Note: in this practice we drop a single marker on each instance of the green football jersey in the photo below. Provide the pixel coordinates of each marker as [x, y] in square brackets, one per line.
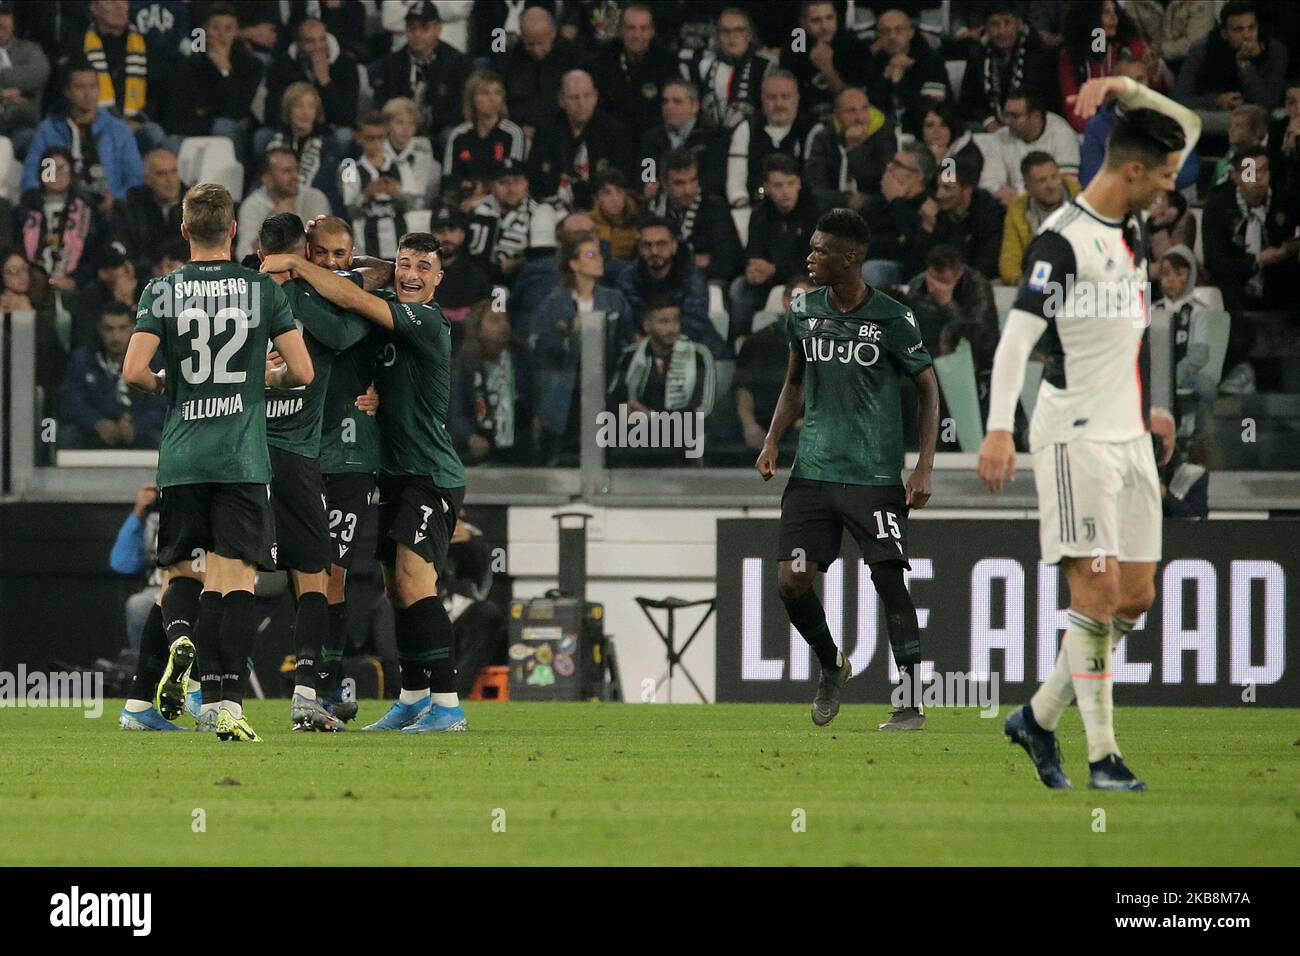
[349, 440]
[293, 415]
[214, 319]
[855, 361]
[414, 382]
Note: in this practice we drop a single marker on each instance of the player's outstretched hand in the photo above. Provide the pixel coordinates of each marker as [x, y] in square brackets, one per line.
[997, 459]
[918, 488]
[1093, 94]
[766, 463]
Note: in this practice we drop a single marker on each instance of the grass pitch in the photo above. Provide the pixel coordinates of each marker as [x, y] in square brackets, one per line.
[645, 785]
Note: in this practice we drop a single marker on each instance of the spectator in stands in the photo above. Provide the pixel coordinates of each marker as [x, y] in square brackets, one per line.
[490, 417]
[961, 215]
[665, 267]
[780, 127]
[831, 59]
[1186, 309]
[1247, 126]
[1080, 59]
[947, 138]
[617, 211]
[24, 71]
[1093, 150]
[557, 348]
[535, 68]
[25, 289]
[1009, 56]
[262, 27]
[848, 156]
[630, 72]
[135, 554]
[681, 129]
[115, 281]
[374, 195]
[464, 282]
[510, 226]
[728, 73]
[478, 147]
[1251, 242]
[760, 371]
[304, 132]
[582, 142]
[894, 216]
[1184, 487]
[1046, 191]
[98, 409]
[127, 77]
[665, 371]
[700, 218]
[414, 152]
[281, 191]
[1030, 128]
[779, 232]
[538, 278]
[316, 57]
[169, 257]
[1170, 29]
[103, 151]
[905, 74]
[425, 70]
[150, 215]
[1231, 66]
[60, 231]
[214, 88]
[949, 292]
[1169, 223]
[1284, 139]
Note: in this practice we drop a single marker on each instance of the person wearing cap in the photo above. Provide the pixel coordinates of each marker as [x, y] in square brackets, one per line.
[24, 71]
[427, 70]
[464, 283]
[584, 141]
[510, 226]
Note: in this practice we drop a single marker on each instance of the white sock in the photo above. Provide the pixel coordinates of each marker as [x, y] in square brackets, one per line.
[413, 696]
[205, 709]
[1054, 695]
[446, 700]
[236, 710]
[137, 706]
[191, 685]
[302, 690]
[839, 658]
[1088, 643]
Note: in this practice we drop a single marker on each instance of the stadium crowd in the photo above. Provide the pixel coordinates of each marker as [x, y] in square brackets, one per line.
[662, 164]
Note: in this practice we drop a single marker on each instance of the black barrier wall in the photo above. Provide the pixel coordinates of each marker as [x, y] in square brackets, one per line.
[1223, 629]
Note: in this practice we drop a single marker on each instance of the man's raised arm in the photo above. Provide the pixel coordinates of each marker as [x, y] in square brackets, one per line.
[342, 292]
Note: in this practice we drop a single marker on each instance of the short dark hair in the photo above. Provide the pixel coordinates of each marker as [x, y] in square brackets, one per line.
[1147, 136]
[658, 302]
[420, 242]
[944, 256]
[1033, 101]
[655, 222]
[610, 176]
[219, 9]
[1235, 8]
[968, 171]
[371, 117]
[274, 150]
[282, 232]
[679, 159]
[78, 64]
[844, 223]
[1036, 158]
[779, 163]
[1248, 155]
[116, 308]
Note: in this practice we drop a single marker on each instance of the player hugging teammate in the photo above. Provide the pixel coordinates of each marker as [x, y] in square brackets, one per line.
[224, 498]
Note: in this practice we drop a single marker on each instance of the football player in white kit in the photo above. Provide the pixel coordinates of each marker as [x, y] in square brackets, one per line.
[1084, 293]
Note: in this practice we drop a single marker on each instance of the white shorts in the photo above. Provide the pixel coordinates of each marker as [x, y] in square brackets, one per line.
[1098, 498]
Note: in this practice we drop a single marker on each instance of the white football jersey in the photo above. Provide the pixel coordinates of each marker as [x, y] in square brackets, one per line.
[1086, 276]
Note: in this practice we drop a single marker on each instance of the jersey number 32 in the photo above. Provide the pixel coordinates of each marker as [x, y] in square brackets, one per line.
[201, 365]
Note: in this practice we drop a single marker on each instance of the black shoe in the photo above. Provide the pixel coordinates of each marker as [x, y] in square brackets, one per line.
[1109, 773]
[904, 718]
[827, 702]
[1041, 746]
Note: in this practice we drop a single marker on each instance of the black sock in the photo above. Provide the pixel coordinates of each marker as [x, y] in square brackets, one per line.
[414, 651]
[180, 608]
[430, 616]
[311, 624]
[809, 619]
[153, 657]
[329, 673]
[238, 630]
[207, 635]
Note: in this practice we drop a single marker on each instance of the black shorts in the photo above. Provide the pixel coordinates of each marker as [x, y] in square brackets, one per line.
[230, 520]
[417, 513]
[814, 515]
[302, 534]
[348, 497]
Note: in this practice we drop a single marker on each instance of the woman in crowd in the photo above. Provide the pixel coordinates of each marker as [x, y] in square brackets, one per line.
[303, 129]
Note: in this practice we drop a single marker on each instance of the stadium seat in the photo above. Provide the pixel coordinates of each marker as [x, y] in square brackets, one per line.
[956, 374]
[1003, 297]
[724, 371]
[765, 318]
[211, 159]
[1217, 325]
[417, 220]
[775, 302]
[741, 218]
[716, 303]
[1212, 296]
[956, 72]
[11, 171]
[721, 322]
